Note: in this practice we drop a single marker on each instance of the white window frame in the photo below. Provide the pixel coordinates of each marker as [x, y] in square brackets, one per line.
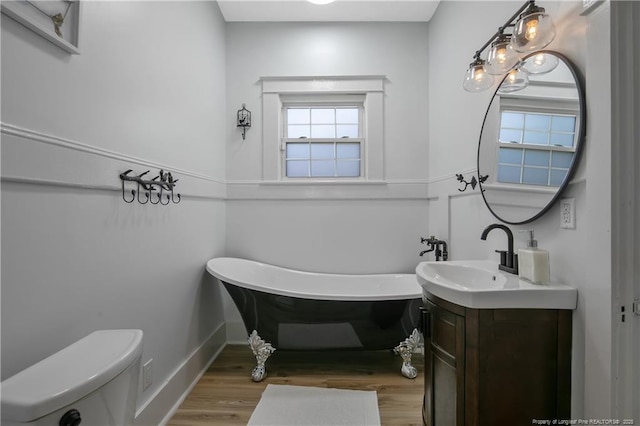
[331, 102]
[280, 91]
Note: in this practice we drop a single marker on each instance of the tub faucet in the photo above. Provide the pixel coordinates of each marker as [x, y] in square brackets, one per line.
[439, 246]
[508, 259]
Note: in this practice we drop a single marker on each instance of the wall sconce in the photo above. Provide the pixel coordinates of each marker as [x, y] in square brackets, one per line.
[532, 29]
[244, 119]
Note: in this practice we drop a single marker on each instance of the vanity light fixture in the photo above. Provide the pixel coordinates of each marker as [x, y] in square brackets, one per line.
[321, 2]
[531, 29]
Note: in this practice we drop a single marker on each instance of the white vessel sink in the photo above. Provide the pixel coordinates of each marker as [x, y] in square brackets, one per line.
[479, 284]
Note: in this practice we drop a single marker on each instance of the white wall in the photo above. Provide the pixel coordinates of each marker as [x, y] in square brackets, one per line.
[329, 228]
[579, 257]
[396, 51]
[146, 92]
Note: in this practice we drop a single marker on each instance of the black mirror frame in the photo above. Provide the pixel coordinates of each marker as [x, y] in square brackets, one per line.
[577, 76]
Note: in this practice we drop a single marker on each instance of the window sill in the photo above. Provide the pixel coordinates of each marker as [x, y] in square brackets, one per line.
[521, 188]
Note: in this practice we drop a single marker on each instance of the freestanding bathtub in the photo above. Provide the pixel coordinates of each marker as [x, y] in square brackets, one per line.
[294, 310]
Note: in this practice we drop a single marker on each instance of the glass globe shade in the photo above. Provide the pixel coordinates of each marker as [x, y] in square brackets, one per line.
[533, 31]
[501, 57]
[477, 78]
[540, 63]
[517, 79]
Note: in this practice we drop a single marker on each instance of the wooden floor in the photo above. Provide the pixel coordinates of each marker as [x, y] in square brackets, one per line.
[225, 395]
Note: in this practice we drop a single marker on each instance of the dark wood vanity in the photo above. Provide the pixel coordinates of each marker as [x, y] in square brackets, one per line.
[490, 367]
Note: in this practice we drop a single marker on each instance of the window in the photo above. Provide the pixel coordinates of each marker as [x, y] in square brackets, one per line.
[327, 130]
[535, 148]
[322, 141]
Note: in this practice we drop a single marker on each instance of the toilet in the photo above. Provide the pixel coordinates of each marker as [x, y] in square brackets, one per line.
[94, 381]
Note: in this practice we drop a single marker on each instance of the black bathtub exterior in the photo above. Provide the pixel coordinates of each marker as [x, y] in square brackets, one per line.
[293, 323]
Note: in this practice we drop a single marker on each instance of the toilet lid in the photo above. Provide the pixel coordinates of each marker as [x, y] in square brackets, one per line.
[69, 375]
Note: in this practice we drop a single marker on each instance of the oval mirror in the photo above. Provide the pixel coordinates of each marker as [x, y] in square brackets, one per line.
[532, 137]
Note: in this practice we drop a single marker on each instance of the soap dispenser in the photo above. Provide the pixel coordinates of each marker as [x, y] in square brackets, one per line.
[533, 262]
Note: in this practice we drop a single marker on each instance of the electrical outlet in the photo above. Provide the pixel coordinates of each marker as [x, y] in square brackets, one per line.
[568, 213]
[147, 373]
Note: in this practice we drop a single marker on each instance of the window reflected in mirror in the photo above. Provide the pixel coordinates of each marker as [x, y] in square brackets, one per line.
[535, 148]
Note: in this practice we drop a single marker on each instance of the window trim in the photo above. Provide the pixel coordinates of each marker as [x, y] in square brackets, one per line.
[278, 91]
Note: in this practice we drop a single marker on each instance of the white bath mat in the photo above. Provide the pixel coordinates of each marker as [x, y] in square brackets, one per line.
[284, 405]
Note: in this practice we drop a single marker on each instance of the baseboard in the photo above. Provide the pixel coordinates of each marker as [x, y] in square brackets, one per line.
[161, 406]
[236, 333]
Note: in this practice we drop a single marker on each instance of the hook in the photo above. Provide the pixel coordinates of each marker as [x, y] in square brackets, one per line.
[146, 193]
[473, 182]
[151, 198]
[173, 199]
[133, 193]
[168, 197]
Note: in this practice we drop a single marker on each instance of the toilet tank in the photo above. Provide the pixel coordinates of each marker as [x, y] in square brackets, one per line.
[91, 382]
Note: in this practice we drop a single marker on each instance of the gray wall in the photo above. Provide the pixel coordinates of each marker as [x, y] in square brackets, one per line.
[146, 92]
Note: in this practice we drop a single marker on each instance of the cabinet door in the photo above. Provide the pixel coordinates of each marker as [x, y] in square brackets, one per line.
[444, 367]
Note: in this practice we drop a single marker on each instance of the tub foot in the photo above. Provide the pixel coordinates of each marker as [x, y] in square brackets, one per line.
[261, 350]
[405, 350]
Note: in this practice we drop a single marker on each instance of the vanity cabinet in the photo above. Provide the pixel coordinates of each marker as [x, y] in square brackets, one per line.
[488, 367]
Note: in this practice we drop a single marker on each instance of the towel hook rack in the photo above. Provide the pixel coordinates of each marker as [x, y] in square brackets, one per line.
[164, 181]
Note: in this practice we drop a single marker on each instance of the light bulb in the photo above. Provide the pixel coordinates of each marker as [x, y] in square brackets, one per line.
[501, 54]
[539, 59]
[320, 2]
[477, 78]
[533, 31]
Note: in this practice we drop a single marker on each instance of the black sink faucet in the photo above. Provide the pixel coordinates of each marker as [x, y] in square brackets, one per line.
[508, 259]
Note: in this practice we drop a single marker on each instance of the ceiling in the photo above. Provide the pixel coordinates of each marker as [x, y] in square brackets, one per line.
[340, 10]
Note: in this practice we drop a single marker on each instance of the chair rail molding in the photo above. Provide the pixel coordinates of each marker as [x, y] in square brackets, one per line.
[93, 167]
